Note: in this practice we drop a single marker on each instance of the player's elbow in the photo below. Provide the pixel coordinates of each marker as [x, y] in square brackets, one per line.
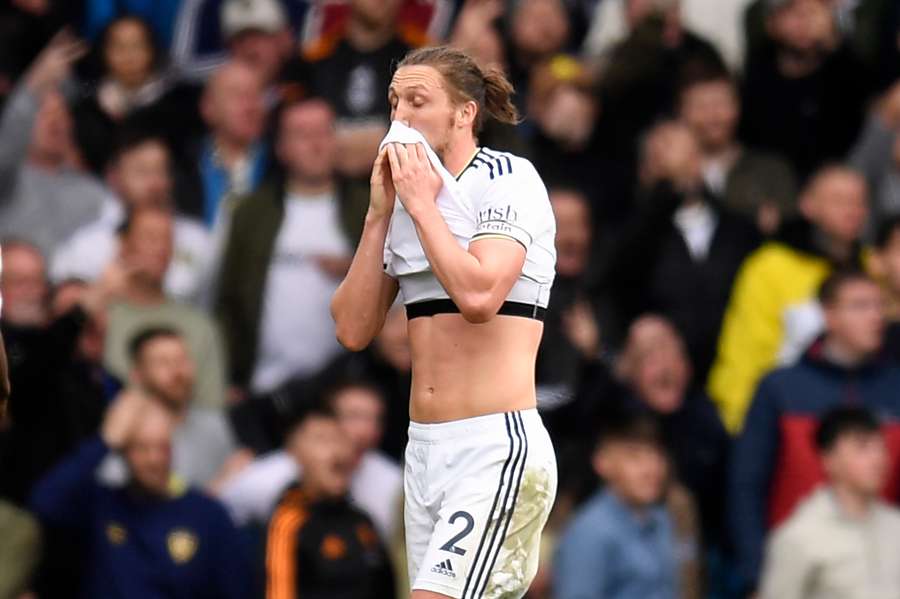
[477, 308]
[351, 337]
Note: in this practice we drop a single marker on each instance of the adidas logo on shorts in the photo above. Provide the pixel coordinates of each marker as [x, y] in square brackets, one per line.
[445, 568]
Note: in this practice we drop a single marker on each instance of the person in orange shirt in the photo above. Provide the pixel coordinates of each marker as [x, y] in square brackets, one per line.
[319, 546]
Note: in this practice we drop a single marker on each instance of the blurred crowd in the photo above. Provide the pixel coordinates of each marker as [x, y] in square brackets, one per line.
[182, 185]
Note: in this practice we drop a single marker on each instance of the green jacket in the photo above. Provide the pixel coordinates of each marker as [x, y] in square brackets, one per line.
[255, 222]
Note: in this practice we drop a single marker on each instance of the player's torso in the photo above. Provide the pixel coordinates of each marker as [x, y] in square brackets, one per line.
[460, 369]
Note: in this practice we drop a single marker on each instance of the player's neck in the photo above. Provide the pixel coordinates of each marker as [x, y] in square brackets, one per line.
[458, 154]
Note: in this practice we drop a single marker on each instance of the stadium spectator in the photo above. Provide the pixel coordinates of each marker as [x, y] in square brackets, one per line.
[877, 155]
[139, 175]
[682, 250]
[204, 451]
[639, 80]
[775, 463]
[49, 369]
[351, 68]
[721, 23]
[887, 266]
[150, 534]
[759, 186]
[45, 195]
[20, 549]
[804, 90]
[866, 26]
[287, 251]
[375, 480]
[318, 544]
[621, 543]
[387, 363]
[200, 43]
[134, 87]
[772, 302]
[571, 331]
[140, 301]
[233, 159]
[568, 145]
[258, 34]
[537, 31]
[655, 372]
[56, 348]
[841, 541]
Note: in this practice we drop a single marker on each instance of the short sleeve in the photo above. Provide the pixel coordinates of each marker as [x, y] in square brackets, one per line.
[513, 206]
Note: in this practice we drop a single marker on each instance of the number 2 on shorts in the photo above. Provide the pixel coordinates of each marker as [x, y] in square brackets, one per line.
[470, 524]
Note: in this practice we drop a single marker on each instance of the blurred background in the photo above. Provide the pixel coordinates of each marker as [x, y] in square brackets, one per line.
[182, 186]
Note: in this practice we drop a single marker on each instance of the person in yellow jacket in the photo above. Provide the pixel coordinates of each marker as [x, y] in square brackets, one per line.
[772, 303]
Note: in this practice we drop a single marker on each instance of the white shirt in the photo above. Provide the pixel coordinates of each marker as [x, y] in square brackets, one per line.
[697, 225]
[375, 487]
[297, 335]
[502, 196]
[91, 248]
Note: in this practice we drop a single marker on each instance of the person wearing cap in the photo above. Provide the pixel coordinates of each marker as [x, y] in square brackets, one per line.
[257, 32]
[204, 30]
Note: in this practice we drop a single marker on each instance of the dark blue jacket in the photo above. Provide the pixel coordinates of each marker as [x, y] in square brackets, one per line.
[184, 547]
[775, 462]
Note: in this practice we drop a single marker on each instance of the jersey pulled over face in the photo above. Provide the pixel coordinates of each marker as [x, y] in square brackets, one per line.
[504, 197]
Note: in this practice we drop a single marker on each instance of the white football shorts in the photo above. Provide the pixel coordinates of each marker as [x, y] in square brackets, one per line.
[478, 493]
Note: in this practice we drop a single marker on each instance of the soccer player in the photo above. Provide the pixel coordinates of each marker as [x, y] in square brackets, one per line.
[480, 468]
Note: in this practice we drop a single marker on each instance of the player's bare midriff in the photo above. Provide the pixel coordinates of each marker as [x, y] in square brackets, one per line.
[462, 370]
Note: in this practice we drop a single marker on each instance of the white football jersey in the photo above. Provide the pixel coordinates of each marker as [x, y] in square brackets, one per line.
[498, 195]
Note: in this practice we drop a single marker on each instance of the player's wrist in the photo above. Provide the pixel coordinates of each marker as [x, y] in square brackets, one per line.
[420, 208]
[376, 217]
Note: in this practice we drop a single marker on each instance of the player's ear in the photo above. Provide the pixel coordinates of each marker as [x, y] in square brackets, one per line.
[466, 114]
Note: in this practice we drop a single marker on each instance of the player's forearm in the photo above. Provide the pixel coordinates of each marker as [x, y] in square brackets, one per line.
[466, 281]
[358, 306]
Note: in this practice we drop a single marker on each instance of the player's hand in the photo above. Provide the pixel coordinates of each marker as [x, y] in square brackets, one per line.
[122, 416]
[382, 192]
[53, 64]
[415, 179]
